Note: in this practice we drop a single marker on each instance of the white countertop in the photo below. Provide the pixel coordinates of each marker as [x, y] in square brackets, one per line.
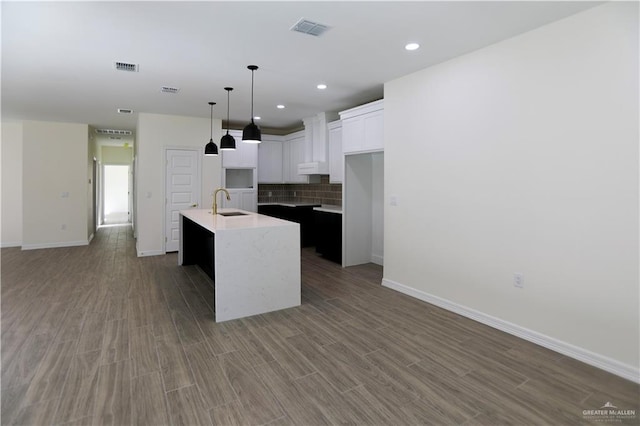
[204, 218]
[328, 208]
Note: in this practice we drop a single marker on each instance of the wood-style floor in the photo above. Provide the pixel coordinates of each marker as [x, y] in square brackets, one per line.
[95, 335]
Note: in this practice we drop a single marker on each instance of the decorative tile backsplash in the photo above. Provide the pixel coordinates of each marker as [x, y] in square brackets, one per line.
[321, 193]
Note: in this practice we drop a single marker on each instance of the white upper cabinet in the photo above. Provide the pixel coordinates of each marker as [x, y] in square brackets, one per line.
[270, 159]
[336, 157]
[363, 128]
[245, 154]
[242, 199]
[294, 154]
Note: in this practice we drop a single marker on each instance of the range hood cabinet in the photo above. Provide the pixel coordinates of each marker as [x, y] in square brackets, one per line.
[313, 168]
[316, 147]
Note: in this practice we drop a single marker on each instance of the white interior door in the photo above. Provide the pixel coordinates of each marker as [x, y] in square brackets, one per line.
[182, 179]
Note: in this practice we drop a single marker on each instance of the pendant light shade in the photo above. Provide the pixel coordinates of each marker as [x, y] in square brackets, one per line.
[210, 149]
[251, 133]
[227, 143]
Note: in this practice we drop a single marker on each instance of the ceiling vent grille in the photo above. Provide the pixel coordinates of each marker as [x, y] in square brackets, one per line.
[125, 66]
[113, 132]
[115, 138]
[125, 111]
[167, 89]
[305, 26]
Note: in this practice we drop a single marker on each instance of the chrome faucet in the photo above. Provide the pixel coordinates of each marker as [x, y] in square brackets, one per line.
[214, 209]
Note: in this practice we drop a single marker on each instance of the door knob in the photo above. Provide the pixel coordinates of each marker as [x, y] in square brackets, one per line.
[194, 205]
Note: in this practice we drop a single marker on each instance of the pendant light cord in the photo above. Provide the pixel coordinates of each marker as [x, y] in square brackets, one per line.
[211, 121]
[227, 109]
[252, 96]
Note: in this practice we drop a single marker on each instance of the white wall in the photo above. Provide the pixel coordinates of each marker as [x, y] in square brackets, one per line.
[54, 163]
[92, 152]
[154, 133]
[523, 157]
[377, 208]
[116, 154]
[11, 177]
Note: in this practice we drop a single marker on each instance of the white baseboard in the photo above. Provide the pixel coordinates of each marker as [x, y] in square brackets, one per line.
[91, 237]
[377, 259]
[150, 253]
[10, 244]
[55, 245]
[611, 365]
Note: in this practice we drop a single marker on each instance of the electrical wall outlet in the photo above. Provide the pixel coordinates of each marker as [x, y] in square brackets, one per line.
[518, 279]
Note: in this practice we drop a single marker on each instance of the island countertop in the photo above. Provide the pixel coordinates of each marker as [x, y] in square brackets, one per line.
[252, 259]
[214, 223]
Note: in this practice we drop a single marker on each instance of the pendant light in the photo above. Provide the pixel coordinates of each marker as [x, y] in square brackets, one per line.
[251, 133]
[210, 149]
[227, 143]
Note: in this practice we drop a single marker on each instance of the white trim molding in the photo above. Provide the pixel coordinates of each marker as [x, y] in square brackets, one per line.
[150, 253]
[55, 245]
[10, 244]
[602, 362]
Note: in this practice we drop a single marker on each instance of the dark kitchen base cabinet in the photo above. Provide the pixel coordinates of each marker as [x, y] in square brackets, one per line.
[329, 235]
[299, 214]
[198, 247]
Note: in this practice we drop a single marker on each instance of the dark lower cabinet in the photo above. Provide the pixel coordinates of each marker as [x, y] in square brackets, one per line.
[198, 247]
[328, 228]
[299, 214]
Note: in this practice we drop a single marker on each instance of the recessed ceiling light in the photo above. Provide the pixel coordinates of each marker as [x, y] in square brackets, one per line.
[412, 46]
[280, 106]
[257, 117]
[321, 86]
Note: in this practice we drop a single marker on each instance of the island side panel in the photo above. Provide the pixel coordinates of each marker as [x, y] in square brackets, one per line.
[196, 246]
[257, 270]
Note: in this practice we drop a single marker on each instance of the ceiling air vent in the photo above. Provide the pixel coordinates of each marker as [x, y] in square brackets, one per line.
[309, 27]
[113, 132]
[115, 138]
[125, 111]
[167, 89]
[125, 66]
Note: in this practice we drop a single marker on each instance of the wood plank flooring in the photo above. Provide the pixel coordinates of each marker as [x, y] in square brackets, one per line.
[96, 336]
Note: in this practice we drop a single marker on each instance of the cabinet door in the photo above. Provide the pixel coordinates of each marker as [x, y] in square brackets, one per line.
[249, 201]
[294, 155]
[373, 137]
[270, 162]
[352, 134]
[245, 155]
[336, 157]
[231, 159]
[233, 203]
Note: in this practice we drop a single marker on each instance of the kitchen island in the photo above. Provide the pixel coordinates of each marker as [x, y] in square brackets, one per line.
[254, 260]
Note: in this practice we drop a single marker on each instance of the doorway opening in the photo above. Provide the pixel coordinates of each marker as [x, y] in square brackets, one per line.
[116, 195]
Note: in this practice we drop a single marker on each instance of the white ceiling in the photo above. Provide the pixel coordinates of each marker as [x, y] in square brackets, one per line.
[57, 57]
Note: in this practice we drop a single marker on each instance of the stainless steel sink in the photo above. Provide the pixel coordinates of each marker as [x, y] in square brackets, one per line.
[232, 214]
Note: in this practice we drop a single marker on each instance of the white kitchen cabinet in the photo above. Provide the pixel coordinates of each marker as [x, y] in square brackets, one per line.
[243, 199]
[270, 165]
[245, 155]
[363, 128]
[336, 156]
[294, 154]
